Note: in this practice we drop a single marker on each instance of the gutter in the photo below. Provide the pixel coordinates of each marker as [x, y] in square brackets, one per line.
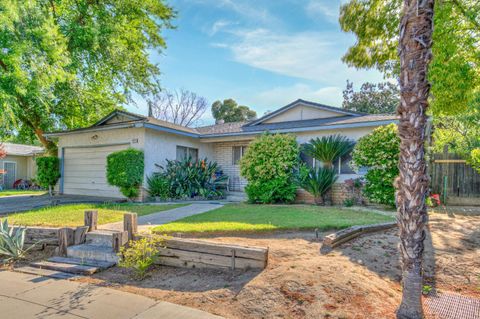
[304, 129]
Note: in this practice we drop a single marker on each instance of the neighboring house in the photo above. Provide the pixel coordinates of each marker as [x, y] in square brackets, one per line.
[84, 151]
[18, 164]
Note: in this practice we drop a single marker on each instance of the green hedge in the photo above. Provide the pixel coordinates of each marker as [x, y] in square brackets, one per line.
[379, 152]
[269, 165]
[125, 170]
[48, 171]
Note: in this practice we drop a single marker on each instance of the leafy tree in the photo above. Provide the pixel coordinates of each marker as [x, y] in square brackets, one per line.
[48, 171]
[461, 133]
[378, 152]
[269, 165]
[415, 51]
[229, 111]
[372, 98]
[66, 63]
[475, 159]
[125, 170]
[455, 69]
[180, 107]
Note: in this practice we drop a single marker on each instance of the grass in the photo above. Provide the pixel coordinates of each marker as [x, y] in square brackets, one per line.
[11, 192]
[72, 215]
[247, 218]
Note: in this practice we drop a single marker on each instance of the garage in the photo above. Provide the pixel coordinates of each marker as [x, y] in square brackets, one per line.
[85, 170]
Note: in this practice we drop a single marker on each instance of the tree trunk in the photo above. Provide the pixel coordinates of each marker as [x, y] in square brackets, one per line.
[49, 146]
[318, 199]
[416, 27]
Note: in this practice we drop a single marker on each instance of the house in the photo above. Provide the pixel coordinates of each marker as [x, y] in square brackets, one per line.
[83, 151]
[18, 164]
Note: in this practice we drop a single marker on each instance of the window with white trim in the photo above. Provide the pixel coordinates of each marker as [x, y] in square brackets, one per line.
[237, 154]
[184, 152]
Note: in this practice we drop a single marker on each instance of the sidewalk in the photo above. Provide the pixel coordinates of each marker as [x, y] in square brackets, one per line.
[152, 220]
[33, 297]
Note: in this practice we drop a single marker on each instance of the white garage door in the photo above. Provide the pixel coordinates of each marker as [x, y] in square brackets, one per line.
[85, 171]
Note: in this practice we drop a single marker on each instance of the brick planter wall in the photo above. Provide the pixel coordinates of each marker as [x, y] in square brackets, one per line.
[338, 195]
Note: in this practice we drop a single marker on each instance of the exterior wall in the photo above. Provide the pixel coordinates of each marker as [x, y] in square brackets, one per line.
[22, 167]
[160, 146]
[223, 155]
[90, 141]
[302, 112]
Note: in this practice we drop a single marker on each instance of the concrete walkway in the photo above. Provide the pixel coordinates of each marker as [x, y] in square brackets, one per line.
[152, 220]
[32, 297]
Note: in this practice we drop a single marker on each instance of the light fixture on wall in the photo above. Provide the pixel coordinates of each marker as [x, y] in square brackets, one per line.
[94, 137]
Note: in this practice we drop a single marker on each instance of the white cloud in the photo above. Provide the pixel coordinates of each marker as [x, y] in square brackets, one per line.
[279, 96]
[307, 55]
[327, 8]
[219, 26]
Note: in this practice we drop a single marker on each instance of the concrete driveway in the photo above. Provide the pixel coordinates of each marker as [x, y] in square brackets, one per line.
[33, 297]
[12, 204]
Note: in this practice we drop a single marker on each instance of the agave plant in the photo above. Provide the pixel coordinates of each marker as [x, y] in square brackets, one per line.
[12, 242]
[328, 149]
[318, 181]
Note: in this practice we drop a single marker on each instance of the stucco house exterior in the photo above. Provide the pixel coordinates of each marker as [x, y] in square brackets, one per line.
[18, 164]
[83, 151]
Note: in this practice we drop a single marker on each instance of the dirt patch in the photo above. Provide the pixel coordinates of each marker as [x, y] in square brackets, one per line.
[358, 280]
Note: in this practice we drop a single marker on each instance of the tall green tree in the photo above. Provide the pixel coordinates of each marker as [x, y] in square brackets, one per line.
[66, 63]
[454, 72]
[229, 111]
[373, 98]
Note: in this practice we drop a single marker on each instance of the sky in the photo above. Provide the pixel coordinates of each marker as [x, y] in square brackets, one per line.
[264, 53]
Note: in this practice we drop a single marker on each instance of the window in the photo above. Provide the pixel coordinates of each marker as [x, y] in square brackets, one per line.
[187, 152]
[237, 154]
[343, 165]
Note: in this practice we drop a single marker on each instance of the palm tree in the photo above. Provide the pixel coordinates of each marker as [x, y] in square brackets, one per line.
[318, 181]
[328, 149]
[416, 27]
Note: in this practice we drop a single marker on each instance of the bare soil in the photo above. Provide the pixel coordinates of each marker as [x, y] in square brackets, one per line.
[360, 279]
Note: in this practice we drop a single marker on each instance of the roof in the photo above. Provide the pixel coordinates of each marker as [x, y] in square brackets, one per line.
[346, 118]
[21, 149]
[307, 103]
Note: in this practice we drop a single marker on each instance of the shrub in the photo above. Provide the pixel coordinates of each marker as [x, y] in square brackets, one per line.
[12, 242]
[318, 181]
[378, 152]
[269, 165]
[187, 179]
[158, 186]
[48, 171]
[125, 170]
[140, 255]
[474, 159]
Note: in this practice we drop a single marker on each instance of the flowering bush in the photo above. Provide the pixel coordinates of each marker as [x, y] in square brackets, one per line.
[269, 166]
[433, 200]
[378, 152]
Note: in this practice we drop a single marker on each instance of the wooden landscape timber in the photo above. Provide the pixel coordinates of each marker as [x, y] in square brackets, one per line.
[333, 240]
[189, 253]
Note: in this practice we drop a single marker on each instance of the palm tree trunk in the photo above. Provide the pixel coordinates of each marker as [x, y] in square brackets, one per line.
[416, 27]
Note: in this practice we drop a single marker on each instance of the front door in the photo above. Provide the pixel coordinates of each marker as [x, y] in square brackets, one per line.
[10, 174]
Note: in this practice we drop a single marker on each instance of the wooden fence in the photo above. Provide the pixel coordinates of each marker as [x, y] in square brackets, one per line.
[454, 179]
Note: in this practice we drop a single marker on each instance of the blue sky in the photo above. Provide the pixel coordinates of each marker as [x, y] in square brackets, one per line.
[263, 53]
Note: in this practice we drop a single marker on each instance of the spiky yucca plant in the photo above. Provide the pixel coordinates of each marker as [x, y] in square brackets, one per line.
[318, 181]
[328, 149]
[12, 242]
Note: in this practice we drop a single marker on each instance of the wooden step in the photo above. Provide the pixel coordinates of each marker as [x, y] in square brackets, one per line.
[67, 268]
[46, 273]
[82, 262]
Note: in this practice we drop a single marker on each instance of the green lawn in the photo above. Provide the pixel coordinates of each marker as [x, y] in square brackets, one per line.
[244, 217]
[11, 192]
[72, 215]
